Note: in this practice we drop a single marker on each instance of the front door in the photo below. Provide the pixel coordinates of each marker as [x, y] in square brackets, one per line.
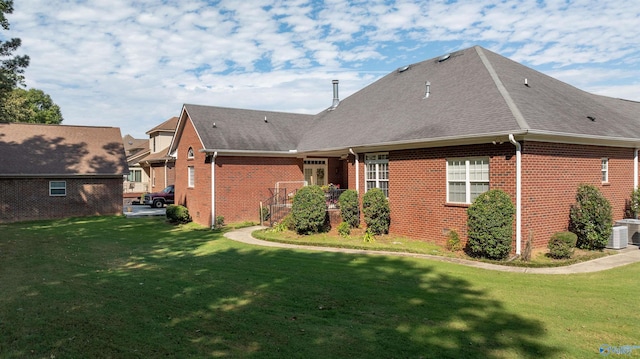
[315, 171]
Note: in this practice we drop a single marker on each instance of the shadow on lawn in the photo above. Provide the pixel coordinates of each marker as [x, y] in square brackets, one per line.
[194, 294]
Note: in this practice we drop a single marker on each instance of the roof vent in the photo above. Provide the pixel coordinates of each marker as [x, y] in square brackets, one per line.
[403, 68]
[444, 58]
[427, 90]
[526, 82]
[593, 119]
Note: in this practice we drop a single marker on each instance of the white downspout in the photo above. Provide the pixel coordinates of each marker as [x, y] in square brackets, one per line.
[635, 169]
[357, 170]
[166, 183]
[213, 189]
[518, 193]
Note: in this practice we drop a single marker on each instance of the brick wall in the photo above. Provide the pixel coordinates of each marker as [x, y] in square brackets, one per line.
[28, 199]
[552, 174]
[159, 170]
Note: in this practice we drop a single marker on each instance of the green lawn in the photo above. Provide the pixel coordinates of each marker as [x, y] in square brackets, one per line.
[139, 288]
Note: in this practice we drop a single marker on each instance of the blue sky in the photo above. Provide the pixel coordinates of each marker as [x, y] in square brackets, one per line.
[132, 64]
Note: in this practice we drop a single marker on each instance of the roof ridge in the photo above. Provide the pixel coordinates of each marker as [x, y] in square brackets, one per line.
[522, 122]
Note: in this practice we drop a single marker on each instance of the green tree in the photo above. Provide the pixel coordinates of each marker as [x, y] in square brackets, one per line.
[32, 106]
[11, 66]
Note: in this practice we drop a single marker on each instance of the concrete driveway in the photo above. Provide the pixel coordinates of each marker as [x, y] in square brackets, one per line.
[137, 210]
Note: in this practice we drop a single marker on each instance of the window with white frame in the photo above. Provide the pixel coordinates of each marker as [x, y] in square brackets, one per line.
[605, 170]
[191, 176]
[467, 178]
[377, 171]
[57, 188]
[135, 175]
[190, 154]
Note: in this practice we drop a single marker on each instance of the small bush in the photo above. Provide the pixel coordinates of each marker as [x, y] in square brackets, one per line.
[349, 208]
[375, 207]
[309, 210]
[634, 203]
[219, 221]
[490, 222]
[344, 229]
[561, 245]
[368, 236]
[453, 241]
[178, 214]
[264, 214]
[591, 218]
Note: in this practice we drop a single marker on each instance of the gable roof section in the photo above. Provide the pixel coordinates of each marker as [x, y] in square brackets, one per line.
[247, 130]
[167, 126]
[59, 150]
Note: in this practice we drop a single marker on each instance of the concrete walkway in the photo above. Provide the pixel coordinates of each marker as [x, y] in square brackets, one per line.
[629, 255]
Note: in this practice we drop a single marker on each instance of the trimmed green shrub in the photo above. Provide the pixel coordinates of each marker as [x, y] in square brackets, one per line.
[219, 221]
[453, 241]
[375, 207]
[344, 229]
[349, 208]
[178, 214]
[561, 245]
[490, 222]
[288, 222]
[634, 203]
[591, 218]
[309, 210]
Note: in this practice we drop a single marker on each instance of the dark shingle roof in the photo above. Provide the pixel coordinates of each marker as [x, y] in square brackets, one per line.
[474, 93]
[168, 126]
[238, 129]
[31, 149]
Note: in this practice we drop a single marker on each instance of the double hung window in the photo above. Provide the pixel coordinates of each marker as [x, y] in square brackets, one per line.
[467, 178]
[377, 171]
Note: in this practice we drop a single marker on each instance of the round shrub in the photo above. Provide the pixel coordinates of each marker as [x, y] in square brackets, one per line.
[349, 209]
[178, 214]
[375, 207]
[561, 245]
[634, 203]
[453, 241]
[490, 222]
[591, 218]
[309, 210]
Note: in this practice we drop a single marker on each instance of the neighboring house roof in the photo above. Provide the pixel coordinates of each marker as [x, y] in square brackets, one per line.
[133, 145]
[474, 95]
[167, 126]
[160, 156]
[247, 130]
[56, 150]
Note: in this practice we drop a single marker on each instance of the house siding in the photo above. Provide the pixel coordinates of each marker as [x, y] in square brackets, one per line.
[552, 173]
[24, 199]
[418, 189]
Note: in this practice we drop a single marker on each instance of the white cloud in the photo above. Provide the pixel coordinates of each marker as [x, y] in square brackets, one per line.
[133, 64]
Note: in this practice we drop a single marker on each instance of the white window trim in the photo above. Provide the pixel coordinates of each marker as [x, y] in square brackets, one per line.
[604, 170]
[377, 162]
[51, 188]
[467, 180]
[191, 174]
[190, 153]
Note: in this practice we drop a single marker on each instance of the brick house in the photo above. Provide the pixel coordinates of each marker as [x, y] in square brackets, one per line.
[432, 135]
[56, 171]
[158, 166]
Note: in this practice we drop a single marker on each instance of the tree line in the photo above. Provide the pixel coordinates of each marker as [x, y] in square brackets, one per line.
[18, 104]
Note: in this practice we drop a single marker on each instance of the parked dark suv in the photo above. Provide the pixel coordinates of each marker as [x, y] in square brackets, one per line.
[159, 199]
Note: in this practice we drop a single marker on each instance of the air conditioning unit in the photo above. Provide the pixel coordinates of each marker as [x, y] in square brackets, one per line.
[633, 227]
[619, 238]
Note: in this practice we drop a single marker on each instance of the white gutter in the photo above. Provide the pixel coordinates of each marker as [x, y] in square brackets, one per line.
[213, 189]
[519, 193]
[635, 169]
[357, 170]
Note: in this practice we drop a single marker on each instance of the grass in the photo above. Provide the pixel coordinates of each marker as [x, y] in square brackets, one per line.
[140, 288]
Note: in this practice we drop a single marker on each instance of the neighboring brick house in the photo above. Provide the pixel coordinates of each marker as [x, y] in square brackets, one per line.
[432, 135]
[57, 171]
[158, 165]
[137, 181]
